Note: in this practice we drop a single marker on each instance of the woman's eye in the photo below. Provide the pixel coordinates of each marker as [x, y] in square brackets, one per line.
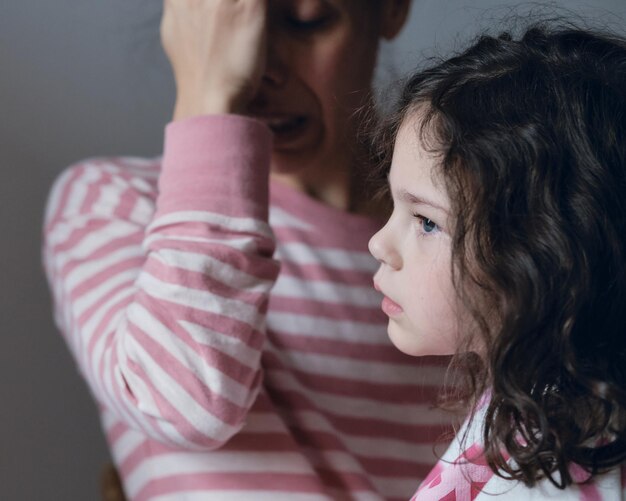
[312, 24]
[307, 16]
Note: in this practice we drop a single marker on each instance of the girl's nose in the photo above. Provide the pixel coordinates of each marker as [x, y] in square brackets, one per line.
[382, 248]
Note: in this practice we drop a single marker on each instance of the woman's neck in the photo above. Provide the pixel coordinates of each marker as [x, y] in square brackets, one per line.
[340, 183]
[342, 189]
[331, 190]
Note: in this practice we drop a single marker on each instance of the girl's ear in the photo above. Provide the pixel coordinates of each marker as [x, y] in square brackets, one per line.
[394, 15]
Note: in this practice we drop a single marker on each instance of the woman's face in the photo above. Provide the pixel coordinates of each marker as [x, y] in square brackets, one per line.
[414, 249]
[320, 62]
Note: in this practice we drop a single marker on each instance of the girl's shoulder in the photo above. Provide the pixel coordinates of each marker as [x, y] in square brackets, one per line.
[609, 486]
[463, 474]
[469, 478]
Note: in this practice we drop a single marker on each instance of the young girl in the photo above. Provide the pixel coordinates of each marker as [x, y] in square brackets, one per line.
[507, 247]
[222, 369]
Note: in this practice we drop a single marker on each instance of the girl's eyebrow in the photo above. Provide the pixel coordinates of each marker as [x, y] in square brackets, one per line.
[409, 198]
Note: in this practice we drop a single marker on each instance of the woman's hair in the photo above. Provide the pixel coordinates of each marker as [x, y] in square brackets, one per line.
[531, 139]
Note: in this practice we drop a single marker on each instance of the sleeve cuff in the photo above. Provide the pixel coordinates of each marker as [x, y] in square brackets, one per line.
[217, 163]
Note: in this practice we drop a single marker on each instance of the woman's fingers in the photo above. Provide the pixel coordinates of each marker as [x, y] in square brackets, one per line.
[217, 50]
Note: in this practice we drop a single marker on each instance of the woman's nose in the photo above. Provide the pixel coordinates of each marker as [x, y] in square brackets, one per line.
[277, 59]
[382, 248]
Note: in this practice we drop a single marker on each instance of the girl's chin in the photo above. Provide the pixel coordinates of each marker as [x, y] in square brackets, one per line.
[405, 342]
[413, 344]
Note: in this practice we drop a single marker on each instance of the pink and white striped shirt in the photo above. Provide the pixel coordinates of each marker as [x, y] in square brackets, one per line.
[228, 329]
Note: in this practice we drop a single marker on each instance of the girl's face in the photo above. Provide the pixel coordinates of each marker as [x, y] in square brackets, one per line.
[414, 249]
[321, 57]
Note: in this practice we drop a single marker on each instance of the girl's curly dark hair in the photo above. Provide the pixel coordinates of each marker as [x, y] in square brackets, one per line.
[531, 135]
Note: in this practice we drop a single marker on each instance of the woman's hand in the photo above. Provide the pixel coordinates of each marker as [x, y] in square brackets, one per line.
[217, 52]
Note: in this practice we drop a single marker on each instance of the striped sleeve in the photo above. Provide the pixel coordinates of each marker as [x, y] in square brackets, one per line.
[162, 293]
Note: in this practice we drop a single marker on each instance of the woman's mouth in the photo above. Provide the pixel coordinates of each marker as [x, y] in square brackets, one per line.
[289, 130]
[280, 124]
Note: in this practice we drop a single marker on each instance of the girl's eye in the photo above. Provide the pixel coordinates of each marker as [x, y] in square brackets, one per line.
[427, 226]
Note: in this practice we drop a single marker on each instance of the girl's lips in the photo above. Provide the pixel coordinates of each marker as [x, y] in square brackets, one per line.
[390, 308]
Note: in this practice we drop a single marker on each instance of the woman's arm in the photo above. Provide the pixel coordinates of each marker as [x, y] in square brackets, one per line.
[163, 298]
[167, 321]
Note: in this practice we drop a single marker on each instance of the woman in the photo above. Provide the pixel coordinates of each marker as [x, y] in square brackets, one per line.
[218, 375]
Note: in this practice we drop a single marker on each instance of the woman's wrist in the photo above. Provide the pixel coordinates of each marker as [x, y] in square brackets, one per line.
[215, 105]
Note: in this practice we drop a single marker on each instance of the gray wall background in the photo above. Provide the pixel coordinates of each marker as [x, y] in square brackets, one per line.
[82, 78]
